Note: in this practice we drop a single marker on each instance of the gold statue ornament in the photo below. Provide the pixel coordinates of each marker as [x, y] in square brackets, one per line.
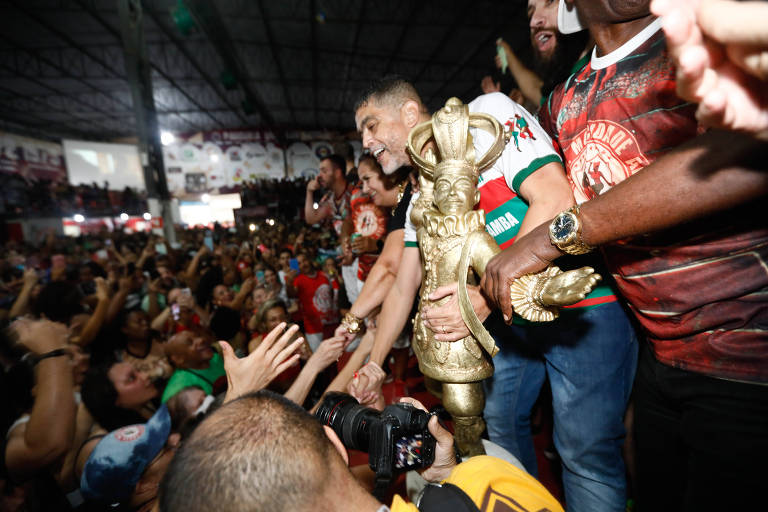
[455, 246]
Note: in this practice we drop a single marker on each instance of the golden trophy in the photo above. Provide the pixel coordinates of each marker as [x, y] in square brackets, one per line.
[455, 247]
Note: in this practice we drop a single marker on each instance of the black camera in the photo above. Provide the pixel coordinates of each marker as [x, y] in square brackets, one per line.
[396, 439]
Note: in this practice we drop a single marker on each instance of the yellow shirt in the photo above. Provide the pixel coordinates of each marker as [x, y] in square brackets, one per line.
[492, 483]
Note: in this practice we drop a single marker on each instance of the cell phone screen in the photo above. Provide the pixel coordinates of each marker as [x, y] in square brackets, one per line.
[408, 452]
[294, 263]
[208, 241]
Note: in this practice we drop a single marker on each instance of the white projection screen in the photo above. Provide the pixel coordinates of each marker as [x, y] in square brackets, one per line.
[118, 164]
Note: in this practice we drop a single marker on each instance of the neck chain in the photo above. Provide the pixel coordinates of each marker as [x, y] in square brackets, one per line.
[400, 192]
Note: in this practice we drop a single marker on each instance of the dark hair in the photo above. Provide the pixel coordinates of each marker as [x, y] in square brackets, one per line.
[338, 162]
[100, 395]
[389, 181]
[58, 301]
[391, 89]
[259, 452]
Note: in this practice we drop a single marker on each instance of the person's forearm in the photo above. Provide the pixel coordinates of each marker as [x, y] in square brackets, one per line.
[381, 277]
[354, 363]
[51, 425]
[528, 81]
[300, 388]
[392, 319]
[21, 304]
[697, 179]
[205, 318]
[154, 307]
[158, 323]
[94, 324]
[548, 192]
[116, 304]
[311, 215]
[192, 267]
[237, 302]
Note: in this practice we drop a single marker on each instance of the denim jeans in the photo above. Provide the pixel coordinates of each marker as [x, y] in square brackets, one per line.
[590, 358]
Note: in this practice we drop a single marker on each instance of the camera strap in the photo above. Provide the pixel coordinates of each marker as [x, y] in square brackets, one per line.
[442, 497]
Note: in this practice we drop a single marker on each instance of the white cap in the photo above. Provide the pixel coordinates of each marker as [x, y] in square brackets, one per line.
[568, 21]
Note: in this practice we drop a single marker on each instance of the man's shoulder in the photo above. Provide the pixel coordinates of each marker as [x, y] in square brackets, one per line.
[492, 103]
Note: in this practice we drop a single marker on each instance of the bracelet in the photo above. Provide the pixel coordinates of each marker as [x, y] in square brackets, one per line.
[53, 353]
[351, 323]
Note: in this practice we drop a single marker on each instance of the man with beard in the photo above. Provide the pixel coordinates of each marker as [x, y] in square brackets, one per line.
[683, 231]
[334, 206]
[556, 55]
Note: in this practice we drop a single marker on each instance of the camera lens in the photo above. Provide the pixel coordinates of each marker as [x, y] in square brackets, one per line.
[350, 420]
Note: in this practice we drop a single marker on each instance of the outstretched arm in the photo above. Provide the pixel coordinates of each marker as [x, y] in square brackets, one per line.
[700, 169]
[380, 279]
[397, 305]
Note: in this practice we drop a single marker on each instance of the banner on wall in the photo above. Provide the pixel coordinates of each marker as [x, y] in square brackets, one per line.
[302, 161]
[193, 169]
[32, 158]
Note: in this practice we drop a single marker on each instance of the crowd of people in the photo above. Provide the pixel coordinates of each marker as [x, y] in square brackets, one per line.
[184, 376]
[24, 197]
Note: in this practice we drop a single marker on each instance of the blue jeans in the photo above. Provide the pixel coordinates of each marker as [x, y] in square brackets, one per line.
[590, 358]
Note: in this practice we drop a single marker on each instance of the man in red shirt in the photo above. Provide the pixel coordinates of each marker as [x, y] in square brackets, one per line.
[684, 234]
[315, 298]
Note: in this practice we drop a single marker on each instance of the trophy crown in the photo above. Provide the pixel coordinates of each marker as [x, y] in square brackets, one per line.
[449, 128]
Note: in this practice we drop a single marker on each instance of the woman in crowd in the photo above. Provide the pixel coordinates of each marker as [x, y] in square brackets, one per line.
[141, 346]
[117, 395]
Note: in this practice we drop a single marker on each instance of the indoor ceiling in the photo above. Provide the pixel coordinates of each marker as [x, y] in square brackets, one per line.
[280, 65]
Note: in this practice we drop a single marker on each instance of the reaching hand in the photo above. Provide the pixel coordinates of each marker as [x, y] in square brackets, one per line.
[102, 288]
[530, 253]
[328, 352]
[721, 51]
[366, 385]
[445, 457]
[364, 244]
[488, 85]
[342, 331]
[261, 366]
[445, 320]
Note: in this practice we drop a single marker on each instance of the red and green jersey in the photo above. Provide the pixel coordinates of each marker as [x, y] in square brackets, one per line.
[699, 290]
[529, 149]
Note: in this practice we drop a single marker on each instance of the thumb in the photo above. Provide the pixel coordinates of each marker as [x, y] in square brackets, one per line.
[444, 291]
[441, 435]
[226, 352]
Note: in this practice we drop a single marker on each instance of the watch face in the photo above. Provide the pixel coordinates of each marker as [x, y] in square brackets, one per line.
[563, 226]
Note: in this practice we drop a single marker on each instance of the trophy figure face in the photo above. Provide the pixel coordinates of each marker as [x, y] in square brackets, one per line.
[455, 193]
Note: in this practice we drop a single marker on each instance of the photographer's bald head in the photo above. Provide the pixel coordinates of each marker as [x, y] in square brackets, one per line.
[263, 453]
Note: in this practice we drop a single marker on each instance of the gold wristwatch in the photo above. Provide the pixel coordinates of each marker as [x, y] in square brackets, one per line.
[565, 232]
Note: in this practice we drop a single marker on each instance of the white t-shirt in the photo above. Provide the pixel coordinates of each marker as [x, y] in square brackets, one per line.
[529, 149]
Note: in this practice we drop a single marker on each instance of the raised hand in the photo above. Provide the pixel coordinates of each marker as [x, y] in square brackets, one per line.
[721, 51]
[272, 357]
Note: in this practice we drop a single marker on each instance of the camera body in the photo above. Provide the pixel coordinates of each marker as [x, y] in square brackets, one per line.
[396, 439]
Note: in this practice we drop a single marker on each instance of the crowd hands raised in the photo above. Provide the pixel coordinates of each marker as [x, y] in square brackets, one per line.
[93, 345]
[123, 349]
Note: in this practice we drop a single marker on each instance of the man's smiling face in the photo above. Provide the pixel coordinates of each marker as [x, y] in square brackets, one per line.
[384, 134]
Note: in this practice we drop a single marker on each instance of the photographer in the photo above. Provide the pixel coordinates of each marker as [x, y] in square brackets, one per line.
[263, 452]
